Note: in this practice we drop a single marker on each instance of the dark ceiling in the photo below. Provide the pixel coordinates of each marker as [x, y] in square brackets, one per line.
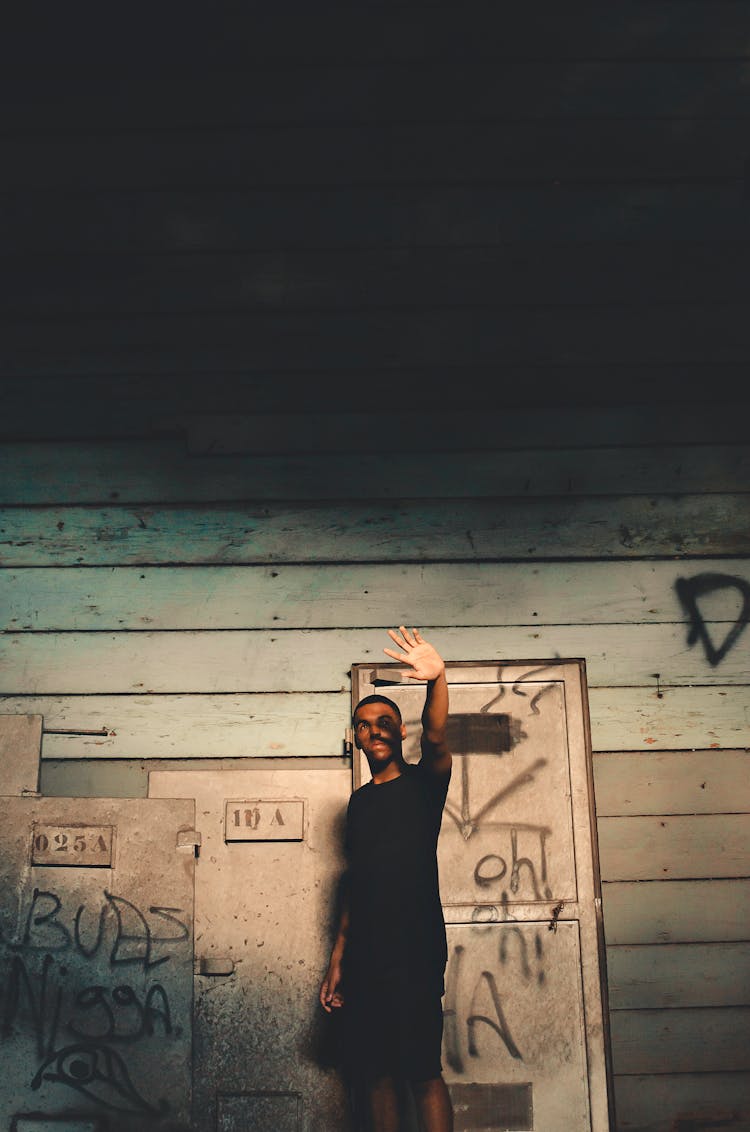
[297, 207]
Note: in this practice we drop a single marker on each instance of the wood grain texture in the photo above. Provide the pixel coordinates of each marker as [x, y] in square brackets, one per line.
[360, 595]
[302, 660]
[682, 718]
[652, 1103]
[681, 846]
[247, 724]
[676, 911]
[678, 975]
[705, 1040]
[672, 782]
[499, 529]
[212, 726]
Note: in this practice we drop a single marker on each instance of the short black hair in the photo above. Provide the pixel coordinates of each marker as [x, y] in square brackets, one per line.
[376, 699]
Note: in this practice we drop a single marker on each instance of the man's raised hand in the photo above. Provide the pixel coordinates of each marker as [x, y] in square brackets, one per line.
[422, 657]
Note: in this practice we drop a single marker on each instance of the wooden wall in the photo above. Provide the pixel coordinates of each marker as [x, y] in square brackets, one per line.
[400, 313]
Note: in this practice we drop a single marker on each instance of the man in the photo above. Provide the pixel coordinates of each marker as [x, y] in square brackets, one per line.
[388, 961]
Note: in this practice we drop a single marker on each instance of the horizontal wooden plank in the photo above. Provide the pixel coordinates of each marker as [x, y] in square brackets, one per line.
[682, 718]
[676, 846]
[226, 219]
[433, 90]
[393, 339]
[656, 1103]
[215, 726]
[501, 530]
[678, 975]
[702, 1040]
[675, 911]
[672, 782]
[605, 271]
[358, 595]
[271, 660]
[241, 724]
[160, 471]
[503, 151]
[289, 31]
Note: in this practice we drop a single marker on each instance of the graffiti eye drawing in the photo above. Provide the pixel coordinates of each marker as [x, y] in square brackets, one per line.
[96, 1072]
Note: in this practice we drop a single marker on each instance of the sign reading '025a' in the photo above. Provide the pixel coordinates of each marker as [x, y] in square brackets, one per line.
[79, 846]
[264, 819]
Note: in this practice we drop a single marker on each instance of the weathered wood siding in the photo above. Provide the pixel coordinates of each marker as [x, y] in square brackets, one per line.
[227, 629]
[401, 313]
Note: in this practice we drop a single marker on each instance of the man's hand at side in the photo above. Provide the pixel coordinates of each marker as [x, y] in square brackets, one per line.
[330, 991]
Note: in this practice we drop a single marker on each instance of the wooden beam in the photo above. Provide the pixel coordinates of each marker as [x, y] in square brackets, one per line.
[529, 529]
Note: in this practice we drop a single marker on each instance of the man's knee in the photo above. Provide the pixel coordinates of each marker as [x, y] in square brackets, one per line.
[431, 1085]
[434, 1104]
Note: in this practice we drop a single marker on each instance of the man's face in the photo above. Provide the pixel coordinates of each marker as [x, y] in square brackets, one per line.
[378, 732]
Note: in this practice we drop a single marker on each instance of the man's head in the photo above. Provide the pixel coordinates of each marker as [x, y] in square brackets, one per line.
[378, 730]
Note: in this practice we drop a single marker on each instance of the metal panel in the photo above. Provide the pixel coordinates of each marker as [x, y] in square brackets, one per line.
[264, 921]
[96, 967]
[514, 1019]
[247, 1112]
[20, 748]
[520, 886]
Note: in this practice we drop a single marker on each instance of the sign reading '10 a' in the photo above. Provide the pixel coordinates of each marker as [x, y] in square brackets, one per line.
[264, 819]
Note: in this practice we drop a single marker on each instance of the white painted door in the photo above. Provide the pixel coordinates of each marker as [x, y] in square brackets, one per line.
[524, 1043]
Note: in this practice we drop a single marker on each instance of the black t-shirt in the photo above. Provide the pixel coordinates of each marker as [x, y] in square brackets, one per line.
[396, 919]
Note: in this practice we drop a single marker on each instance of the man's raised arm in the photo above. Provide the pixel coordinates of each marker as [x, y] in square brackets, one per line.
[427, 664]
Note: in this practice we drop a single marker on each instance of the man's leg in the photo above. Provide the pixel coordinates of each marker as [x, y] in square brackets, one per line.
[434, 1105]
[383, 1101]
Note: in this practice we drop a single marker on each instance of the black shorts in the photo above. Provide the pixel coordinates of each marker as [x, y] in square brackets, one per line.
[395, 1027]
